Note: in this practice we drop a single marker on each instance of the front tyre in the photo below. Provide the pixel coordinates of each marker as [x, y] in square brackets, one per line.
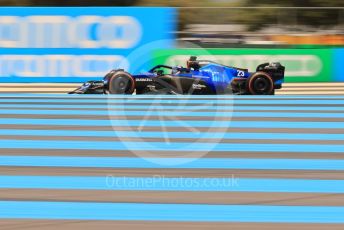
[121, 82]
[260, 83]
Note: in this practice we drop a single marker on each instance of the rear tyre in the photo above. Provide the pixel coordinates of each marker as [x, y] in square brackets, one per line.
[121, 83]
[260, 83]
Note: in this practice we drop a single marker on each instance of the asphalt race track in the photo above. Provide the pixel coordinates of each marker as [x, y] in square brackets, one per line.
[169, 162]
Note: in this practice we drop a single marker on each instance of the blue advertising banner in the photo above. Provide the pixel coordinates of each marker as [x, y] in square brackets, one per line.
[56, 44]
[338, 65]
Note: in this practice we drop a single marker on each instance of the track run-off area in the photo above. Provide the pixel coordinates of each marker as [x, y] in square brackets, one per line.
[153, 162]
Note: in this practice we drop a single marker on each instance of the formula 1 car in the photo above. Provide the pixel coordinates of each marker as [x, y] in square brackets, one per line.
[198, 77]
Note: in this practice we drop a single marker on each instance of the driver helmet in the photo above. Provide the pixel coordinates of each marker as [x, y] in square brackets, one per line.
[176, 69]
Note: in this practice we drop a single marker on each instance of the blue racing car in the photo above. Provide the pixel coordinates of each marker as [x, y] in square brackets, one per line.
[198, 77]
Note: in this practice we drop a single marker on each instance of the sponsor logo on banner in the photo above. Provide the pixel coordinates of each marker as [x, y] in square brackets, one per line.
[89, 31]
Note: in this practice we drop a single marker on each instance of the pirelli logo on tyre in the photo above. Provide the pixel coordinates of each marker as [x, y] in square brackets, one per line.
[144, 79]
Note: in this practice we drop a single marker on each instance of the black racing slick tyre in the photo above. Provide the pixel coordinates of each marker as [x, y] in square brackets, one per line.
[260, 83]
[121, 82]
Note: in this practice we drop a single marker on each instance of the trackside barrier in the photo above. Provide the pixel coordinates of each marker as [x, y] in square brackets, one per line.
[53, 44]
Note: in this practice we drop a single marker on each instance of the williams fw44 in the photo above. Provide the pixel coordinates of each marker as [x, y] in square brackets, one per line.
[199, 77]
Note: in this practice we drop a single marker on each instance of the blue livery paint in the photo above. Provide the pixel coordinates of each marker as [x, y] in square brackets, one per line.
[216, 76]
[200, 77]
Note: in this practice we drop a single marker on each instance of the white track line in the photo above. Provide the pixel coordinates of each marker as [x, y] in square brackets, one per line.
[39, 84]
[36, 89]
[311, 93]
[314, 84]
[313, 89]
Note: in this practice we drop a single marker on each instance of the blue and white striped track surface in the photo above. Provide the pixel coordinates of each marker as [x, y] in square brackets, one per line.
[189, 162]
